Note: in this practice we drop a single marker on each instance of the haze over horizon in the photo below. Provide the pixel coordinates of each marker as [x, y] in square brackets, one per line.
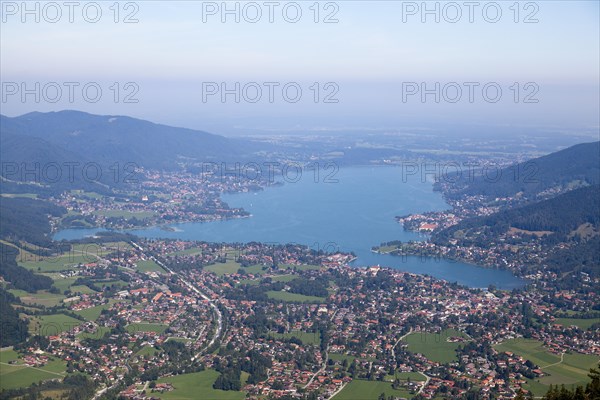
[299, 200]
[374, 48]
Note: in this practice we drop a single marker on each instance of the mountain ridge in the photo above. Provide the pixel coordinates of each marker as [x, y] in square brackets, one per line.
[566, 169]
[106, 139]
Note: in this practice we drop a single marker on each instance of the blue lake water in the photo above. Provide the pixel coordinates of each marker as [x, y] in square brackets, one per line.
[353, 214]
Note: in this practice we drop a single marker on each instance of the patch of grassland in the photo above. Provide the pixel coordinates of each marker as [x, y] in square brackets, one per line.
[63, 262]
[434, 346]
[573, 369]
[146, 327]
[149, 266]
[369, 390]
[51, 325]
[307, 338]
[190, 386]
[579, 322]
[283, 278]
[294, 297]
[191, 251]
[42, 297]
[92, 313]
[227, 268]
[15, 375]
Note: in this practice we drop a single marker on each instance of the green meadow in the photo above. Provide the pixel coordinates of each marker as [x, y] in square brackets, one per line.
[283, 278]
[197, 385]
[63, 262]
[149, 266]
[51, 325]
[434, 346]
[405, 376]
[227, 268]
[307, 338]
[293, 297]
[92, 313]
[369, 390]
[41, 297]
[572, 370]
[191, 251]
[15, 375]
[579, 322]
[146, 327]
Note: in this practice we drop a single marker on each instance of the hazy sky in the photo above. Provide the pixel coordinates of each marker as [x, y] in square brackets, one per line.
[377, 59]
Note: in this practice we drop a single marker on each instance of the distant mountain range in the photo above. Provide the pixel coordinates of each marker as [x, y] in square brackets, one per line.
[105, 139]
[102, 142]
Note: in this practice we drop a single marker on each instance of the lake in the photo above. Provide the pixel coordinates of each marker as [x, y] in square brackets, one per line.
[353, 214]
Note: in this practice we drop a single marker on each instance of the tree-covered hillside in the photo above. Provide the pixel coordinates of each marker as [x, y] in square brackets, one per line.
[573, 167]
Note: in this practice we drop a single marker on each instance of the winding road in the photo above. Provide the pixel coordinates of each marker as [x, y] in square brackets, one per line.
[193, 288]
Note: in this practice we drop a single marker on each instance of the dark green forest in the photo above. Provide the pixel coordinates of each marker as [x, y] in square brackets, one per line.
[27, 219]
[13, 330]
[17, 276]
[560, 216]
[577, 165]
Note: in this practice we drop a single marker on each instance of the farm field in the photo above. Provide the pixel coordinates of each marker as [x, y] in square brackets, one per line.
[83, 289]
[572, 370]
[283, 278]
[293, 297]
[45, 298]
[306, 337]
[255, 269]
[251, 282]
[61, 283]
[19, 375]
[94, 250]
[579, 322]
[92, 313]
[190, 251]
[256, 281]
[190, 386]
[149, 266]
[369, 390]
[341, 357]
[146, 327]
[22, 195]
[220, 269]
[54, 324]
[64, 262]
[434, 346]
[42, 297]
[404, 376]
